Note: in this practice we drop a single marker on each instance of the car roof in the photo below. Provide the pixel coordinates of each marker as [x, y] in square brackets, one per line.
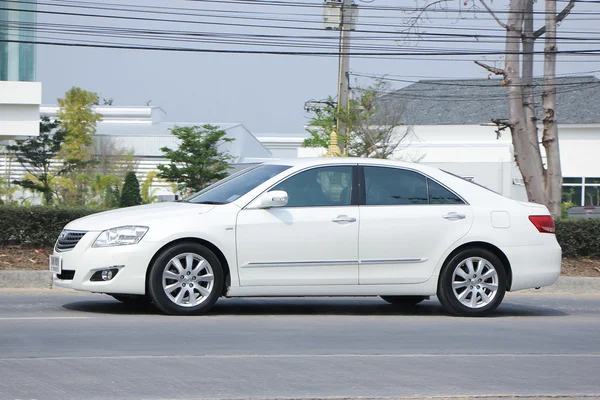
[309, 161]
[316, 161]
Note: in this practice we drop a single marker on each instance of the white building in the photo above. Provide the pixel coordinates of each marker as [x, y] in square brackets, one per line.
[20, 95]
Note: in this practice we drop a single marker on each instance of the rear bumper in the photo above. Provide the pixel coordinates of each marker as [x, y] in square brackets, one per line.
[534, 266]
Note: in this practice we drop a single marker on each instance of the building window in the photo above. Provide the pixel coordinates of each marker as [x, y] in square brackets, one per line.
[582, 191]
[17, 34]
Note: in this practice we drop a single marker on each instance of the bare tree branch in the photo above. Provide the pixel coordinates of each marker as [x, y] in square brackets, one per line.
[559, 18]
[493, 70]
[502, 24]
[414, 21]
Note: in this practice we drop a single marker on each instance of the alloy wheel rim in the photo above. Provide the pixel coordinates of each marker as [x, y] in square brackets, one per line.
[475, 282]
[188, 279]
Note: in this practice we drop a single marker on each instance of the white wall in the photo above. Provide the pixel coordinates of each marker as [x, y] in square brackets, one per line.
[19, 109]
[580, 150]
[579, 145]
[282, 147]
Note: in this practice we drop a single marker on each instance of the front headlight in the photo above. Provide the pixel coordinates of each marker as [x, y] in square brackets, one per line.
[120, 236]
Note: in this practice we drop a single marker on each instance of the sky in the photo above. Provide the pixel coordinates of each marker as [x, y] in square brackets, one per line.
[266, 93]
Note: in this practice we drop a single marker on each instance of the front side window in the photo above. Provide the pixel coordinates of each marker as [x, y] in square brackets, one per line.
[236, 185]
[392, 186]
[324, 186]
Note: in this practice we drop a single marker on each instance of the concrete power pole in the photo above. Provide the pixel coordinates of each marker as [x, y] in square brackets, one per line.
[344, 67]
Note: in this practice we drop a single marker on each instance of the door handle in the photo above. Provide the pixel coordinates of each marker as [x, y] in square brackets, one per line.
[343, 219]
[454, 216]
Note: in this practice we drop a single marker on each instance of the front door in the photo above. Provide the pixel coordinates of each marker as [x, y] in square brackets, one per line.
[313, 240]
[408, 221]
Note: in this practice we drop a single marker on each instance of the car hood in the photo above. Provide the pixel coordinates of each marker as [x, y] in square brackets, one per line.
[137, 215]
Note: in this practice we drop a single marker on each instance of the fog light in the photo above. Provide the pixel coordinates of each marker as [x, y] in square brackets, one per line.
[104, 275]
[107, 275]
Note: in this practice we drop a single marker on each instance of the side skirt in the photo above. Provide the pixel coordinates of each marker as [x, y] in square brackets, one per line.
[427, 288]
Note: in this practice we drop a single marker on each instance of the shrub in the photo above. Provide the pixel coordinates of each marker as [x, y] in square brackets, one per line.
[579, 237]
[131, 191]
[37, 225]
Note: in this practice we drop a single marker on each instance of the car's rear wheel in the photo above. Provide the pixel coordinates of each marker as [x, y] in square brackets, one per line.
[472, 283]
[185, 279]
[133, 299]
[404, 301]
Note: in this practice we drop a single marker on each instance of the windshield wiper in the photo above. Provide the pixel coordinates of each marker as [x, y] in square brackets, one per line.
[208, 202]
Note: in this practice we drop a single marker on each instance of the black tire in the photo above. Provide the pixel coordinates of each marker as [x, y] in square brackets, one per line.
[404, 301]
[132, 299]
[450, 300]
[155, 285]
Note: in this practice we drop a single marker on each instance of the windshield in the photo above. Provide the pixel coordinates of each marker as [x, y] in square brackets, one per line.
[236, 185]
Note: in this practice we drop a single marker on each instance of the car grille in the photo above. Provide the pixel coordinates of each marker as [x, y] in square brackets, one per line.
[66, 275]
[68, 240]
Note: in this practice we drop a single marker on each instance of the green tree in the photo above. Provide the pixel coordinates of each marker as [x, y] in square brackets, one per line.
[78, 119]
[321, 124]
[374, 126]
[38, 156]
[148, 194]
[197, 162]
[130, 196]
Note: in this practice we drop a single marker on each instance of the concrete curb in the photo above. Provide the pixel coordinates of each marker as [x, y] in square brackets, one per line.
[569, 285]
[566, 285]
[18, 279]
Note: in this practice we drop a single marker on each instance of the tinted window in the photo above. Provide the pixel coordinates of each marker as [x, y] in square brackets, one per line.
[325, 186]
[440, 195]
[236, 185]
[390, 186]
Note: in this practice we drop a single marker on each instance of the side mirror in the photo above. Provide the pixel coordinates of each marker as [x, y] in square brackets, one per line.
[276, 198]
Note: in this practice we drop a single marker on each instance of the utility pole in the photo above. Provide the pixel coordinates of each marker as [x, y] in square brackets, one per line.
[344, 65]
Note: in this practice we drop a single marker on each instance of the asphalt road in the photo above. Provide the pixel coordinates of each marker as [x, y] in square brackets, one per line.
[80, 346]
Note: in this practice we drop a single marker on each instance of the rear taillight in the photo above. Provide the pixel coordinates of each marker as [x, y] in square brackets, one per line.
[543, 223]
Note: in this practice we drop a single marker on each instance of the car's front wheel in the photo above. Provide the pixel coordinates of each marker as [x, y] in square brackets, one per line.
[472, 283]
[186, 278]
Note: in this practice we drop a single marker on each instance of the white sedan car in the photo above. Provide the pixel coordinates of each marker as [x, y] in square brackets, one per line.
[317, 227]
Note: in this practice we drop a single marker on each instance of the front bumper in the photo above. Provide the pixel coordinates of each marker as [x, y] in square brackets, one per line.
[83, 261]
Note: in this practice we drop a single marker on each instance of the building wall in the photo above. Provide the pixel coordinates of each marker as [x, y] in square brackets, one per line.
[19, 109]
[282, 147]
[473, 144]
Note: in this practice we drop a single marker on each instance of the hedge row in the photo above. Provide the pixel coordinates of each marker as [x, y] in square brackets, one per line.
[37, 225]
[579, 237]
[40, 226]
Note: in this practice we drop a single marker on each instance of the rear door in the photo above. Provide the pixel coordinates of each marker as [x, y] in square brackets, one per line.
[408, 221]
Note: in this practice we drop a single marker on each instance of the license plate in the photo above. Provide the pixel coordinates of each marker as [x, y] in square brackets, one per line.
[56, 264]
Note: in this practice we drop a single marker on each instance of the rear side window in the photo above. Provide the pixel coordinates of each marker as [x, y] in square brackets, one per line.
[440, 195]
[395, 186]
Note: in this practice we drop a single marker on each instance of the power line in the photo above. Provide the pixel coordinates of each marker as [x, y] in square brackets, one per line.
[590, 52]
[462, 84]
